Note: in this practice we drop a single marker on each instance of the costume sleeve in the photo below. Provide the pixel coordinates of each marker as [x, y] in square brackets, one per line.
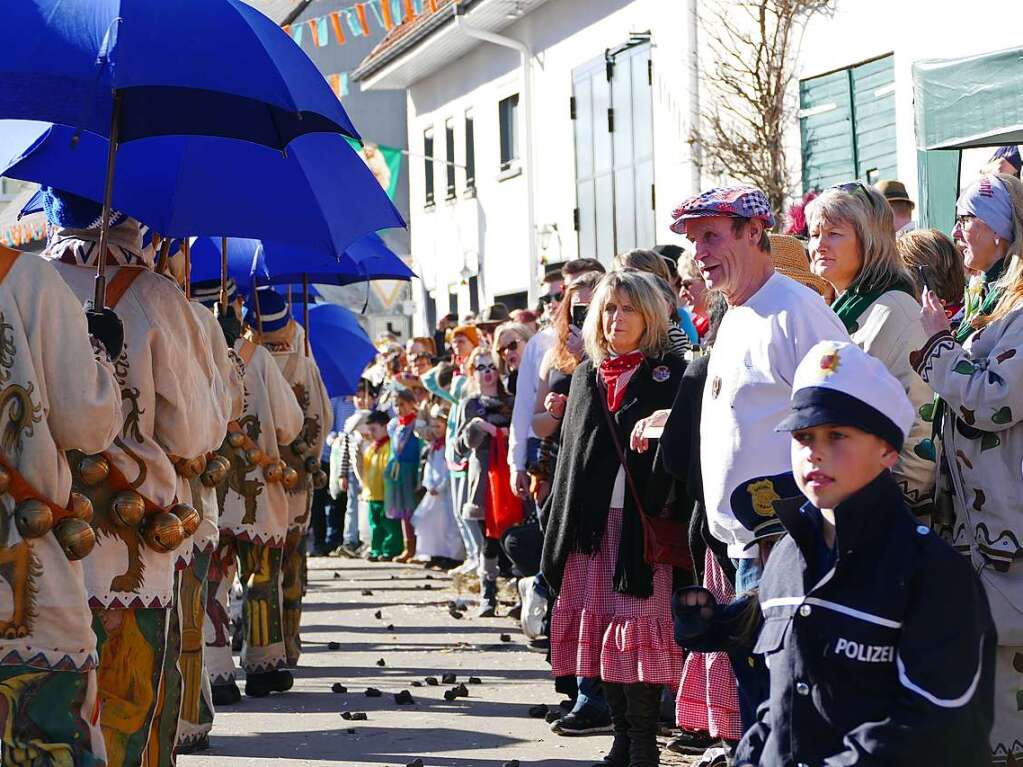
[319, 404]
[229, 372]
[945, 669]
[287, 414]
[189, 418]
[84, 397]
[430, 384]
[983, 392]
[525, 397]
[747, 753]
[337, 450]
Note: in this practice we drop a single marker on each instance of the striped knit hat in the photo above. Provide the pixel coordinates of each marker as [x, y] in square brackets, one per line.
[207, 292]
[273, 314]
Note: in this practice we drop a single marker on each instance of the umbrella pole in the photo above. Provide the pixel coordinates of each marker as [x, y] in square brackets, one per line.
[259, 314]
[305, 309]
[99, 299]
[223, 271]
[186, 249]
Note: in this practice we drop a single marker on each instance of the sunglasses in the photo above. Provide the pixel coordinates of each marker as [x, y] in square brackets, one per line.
[550, 297]
[486, 366]
[965, 220]
[508, 347]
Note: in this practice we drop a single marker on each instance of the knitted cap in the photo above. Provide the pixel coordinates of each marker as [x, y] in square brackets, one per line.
[273, 313]
[207, 292]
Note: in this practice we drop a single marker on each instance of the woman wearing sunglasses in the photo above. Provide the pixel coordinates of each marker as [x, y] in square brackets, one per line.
[852, 246]
[604, 552]
[509, 343]
[977, 373]
[482, 439]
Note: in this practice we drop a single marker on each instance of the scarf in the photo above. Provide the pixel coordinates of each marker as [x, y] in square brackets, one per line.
[853, 302]
[379, 443]
[612, 369]
[79, 247]
[438, 444]
[701, 323]
[406, 420]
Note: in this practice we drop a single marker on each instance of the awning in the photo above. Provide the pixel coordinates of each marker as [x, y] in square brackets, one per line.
[974, 101]
[31, 228]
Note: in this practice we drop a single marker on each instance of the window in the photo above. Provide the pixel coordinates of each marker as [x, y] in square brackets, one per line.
[508, 114]
[449, 149]
[847, 124]
[474, 294]
[470, 152]
[428, 163]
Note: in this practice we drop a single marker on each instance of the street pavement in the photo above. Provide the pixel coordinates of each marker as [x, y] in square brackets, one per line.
[415, 637]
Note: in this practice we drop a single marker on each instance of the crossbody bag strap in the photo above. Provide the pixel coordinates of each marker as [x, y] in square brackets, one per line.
[602, 392]
[119, 285]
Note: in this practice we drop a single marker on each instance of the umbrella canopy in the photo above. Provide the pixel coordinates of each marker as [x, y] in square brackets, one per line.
[340, 346]
[208, 67]
[319, 195]
[243, 263]
[368, 258]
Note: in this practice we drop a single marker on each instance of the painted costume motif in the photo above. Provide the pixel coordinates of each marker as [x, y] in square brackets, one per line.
[982, 444]
[303, 376]
[57, 393]
[196, 711]
[172, 406]
[253, 525]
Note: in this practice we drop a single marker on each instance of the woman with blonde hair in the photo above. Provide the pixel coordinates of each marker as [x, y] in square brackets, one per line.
[509, 343]
[852, 246]
[616, 535]
[977, 373]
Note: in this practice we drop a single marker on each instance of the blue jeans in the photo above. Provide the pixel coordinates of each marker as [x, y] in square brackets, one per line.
[590, 700]
[472, 536]
[351, 536]
[750, 671]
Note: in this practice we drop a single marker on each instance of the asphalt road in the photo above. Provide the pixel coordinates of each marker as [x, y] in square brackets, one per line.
[415, 637]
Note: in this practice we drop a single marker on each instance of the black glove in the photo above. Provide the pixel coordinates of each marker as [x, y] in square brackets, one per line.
[229, 322]
[105, 327]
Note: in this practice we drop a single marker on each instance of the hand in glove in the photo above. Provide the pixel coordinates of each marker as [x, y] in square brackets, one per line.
[105, 327]
[229, 322]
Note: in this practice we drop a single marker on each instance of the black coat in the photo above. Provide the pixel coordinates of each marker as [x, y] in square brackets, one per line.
[588, 465]
[888, 659]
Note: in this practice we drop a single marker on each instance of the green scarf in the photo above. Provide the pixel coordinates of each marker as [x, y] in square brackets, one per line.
[854, 301]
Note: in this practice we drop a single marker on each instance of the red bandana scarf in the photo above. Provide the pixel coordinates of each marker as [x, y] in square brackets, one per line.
[405, 420]
[613, 368]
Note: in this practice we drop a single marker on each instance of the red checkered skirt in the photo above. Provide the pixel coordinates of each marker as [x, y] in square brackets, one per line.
[708, 698]
[597, 632]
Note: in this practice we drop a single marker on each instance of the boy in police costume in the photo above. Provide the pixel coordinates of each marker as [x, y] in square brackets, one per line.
[878, 637]
[274, 327]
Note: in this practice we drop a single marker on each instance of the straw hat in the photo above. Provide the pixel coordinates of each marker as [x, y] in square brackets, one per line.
[790, 259]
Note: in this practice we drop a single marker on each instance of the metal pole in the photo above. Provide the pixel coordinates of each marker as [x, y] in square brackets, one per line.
[108, 194]
[223, 272]
[305, 309]
[696, 149]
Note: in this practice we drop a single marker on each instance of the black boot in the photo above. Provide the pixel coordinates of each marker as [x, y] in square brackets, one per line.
[642, 711]
[261, 685]
[226, 694]
[488, 599]
[618, 756]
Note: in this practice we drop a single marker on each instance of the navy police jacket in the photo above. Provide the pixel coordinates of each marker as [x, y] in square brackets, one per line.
[886, 659]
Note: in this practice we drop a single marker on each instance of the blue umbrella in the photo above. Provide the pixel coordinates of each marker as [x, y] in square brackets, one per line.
[136, 68]
[243, 262]
[320, 196]
[368, 258]
[340, 346]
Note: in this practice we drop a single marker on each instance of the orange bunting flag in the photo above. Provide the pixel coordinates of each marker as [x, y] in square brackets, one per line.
[287, 29]
[385, 9]
[312, 28]
[410, 12]
[335, 22]
[360, 11]
[432, 5]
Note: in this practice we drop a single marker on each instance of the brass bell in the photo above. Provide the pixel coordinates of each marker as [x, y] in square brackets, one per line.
[289, 478]
[81, 507]
[93, 469]
[320, 479]
[273, 472]
[254, 456]
[189, 517]
[127, 509]
[76, 537]
[236, 439]
[5, 479]
[191, 468]
[33, 518]
[163, 532]
[311, 465]
[299, 447]
[216, 469]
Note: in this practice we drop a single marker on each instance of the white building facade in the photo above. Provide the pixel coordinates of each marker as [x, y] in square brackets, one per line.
[611, 121]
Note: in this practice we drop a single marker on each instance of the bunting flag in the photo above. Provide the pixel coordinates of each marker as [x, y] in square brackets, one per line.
[432, 5]
[383, 161]
[418, 5]
[296, 34]
[287, 29]
[335, 23]
[339, 84]
[410, 11]
[385, 10]
[353, 23]
[312, 28]
[360, 12]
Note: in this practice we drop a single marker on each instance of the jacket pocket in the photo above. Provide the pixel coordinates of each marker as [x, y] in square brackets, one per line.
[772, 636]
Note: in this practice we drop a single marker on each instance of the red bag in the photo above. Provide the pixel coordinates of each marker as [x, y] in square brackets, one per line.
[504, 508]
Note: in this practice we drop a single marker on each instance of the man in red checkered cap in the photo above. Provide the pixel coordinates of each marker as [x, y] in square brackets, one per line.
[771, 323]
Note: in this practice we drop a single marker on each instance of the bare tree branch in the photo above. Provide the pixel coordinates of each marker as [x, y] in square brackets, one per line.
[754, 44]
